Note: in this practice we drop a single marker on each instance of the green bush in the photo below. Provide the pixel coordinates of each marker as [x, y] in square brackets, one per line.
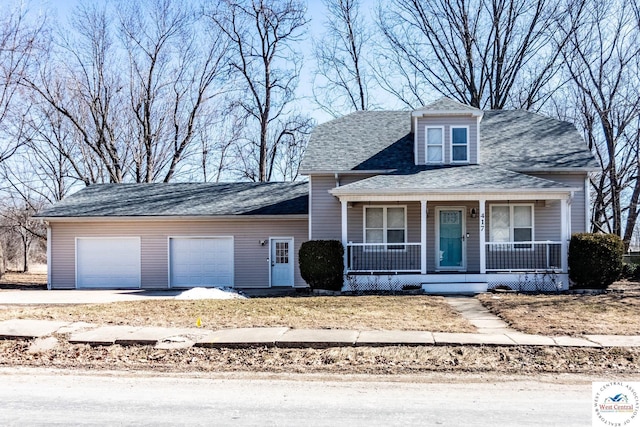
[630, 271]
[322, 264]
[595, 260]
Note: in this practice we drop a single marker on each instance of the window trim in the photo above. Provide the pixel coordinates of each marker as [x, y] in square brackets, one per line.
[385, 229]
[451, 128]
[426, 144]
[511, 207]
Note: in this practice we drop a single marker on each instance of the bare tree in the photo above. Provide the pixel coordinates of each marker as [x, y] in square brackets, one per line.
[603, 61]
[485, 53]
[342, 75]
[175, 60]
[78, 82]
[20, 36]
[266, 68]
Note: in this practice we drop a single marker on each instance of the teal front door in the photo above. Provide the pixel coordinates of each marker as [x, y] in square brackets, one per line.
[451, 244]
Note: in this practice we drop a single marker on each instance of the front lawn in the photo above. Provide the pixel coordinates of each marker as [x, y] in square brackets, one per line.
[606, 314]
[362, 312]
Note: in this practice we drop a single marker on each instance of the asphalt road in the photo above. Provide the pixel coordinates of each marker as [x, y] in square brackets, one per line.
[38, 397]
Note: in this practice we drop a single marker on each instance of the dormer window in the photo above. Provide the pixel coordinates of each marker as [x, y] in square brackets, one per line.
[435, 142]
[459, 144]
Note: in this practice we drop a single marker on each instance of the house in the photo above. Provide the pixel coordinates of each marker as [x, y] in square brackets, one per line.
[450, 197]
[447, 197]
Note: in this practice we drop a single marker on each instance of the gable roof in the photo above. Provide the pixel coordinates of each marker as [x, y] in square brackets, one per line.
[184, 199]
[382, 140]
[448, 179]
[445, 106]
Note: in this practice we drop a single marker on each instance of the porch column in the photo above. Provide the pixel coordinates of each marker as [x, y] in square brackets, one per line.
[564, 236]
[344, 232]
[423, 237]
[482, 236]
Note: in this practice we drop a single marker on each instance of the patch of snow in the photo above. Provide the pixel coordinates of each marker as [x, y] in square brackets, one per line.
[210, 293]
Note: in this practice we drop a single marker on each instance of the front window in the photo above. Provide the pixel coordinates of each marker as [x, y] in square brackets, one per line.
[512, 223]
[435, 140]
[385, 225]
[459, 144]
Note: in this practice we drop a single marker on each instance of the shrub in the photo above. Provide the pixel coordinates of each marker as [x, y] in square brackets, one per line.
[629, 271]
[595, 260]
[322, 264]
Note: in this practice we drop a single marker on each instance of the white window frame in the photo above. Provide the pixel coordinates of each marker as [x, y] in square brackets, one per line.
[426, 145]
[385, 229]
[451, 128]
[511, 241]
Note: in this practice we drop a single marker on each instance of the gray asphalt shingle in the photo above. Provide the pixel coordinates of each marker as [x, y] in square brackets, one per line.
[510, 139]
[450, 178]
[184, 199]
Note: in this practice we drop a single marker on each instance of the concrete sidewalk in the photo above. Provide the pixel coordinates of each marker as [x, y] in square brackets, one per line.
[43, 333]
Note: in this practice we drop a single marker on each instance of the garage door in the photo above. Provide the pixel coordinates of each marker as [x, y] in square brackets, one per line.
[108, 262]
[206, 262]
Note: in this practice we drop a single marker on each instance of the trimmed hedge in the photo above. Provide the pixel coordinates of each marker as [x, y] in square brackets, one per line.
[595, 260]
[322, 264]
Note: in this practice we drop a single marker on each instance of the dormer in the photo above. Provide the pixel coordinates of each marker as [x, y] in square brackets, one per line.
[446, 132]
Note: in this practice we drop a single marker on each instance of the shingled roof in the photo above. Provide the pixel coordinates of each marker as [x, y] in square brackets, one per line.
[382, 140]
[447, 179]
[184, 199]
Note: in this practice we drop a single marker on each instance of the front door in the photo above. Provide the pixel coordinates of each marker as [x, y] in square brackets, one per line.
[450, 240]
[281, 262]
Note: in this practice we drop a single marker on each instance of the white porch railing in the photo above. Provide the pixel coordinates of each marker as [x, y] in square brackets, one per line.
[534, 256]
[383, 257]
[523, 256]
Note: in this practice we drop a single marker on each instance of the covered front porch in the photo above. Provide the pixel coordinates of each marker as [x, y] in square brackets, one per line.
[456, 242]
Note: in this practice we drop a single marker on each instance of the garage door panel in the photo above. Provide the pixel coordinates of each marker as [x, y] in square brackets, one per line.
[206, 262]
[108, 262]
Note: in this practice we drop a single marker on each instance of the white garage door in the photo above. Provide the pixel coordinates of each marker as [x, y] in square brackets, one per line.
[108, 262]
[206, 262]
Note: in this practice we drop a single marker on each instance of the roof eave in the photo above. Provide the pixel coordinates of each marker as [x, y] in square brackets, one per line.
[342, 191]
[557, 170]
[119, 218]
[307, 172]
[423, 113]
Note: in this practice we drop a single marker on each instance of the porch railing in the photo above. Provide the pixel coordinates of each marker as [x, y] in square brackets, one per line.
[383, 257]
[523, 256]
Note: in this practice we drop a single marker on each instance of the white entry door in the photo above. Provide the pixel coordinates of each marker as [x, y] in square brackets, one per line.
[282, 262]
[201, 261]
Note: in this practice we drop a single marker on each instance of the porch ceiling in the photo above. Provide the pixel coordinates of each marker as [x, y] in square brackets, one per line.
[468, 182]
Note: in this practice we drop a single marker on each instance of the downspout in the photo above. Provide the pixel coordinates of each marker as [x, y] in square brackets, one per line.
[48, 255]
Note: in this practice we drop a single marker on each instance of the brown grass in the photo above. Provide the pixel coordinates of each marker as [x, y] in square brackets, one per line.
[349, 360]
[362, 312]
[606, 314]
[13, 280]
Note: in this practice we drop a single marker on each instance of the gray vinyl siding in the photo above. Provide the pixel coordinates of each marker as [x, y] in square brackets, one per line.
[447, 122]
[578, 211]
[325, 209]
[355, 224]
[251, 266]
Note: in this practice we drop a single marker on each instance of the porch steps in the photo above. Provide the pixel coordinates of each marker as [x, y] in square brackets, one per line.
[454, 288]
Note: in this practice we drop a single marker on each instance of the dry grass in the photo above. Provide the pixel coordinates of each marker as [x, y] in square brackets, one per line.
[348, 360]
[362, 312]
[13, 280]
[606, 314]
